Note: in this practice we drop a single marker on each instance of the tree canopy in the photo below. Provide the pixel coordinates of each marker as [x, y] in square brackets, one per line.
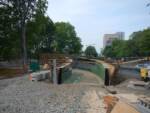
[90, 52]
[67, 39]
[27, 19]
[137, 45]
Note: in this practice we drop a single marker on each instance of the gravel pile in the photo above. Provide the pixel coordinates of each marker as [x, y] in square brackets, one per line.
[19, 95]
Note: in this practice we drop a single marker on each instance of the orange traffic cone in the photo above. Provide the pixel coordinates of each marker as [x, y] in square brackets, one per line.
[30, 77]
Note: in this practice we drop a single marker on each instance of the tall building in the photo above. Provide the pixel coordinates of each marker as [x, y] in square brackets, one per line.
[109, 38]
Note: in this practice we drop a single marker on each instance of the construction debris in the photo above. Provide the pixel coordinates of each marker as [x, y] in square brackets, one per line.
[40, 75]
[127, 103]
[122, 107]
[144, 102]
[138, 85]
[110, 102]
[111, 89]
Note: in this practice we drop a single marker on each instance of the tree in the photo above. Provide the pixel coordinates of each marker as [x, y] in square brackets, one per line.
[24, 22]
[25, 10]
[137, 45]
[17, 15]
[108, 51]
[90, 52]
[67, 39]
[21, 11]
[40, 31]
[142, 41]
[130, 49]
[9, 33]
[118, 46]
[40, 37]
[115, 50]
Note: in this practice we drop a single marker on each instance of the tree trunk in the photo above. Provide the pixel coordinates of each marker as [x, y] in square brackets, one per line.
[24, 48]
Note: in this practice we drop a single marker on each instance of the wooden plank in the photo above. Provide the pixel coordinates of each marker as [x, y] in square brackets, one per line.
[122, 107]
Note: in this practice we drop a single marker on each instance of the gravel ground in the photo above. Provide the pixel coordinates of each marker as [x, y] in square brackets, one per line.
[125, 87]
[129, 74]
[19, 95]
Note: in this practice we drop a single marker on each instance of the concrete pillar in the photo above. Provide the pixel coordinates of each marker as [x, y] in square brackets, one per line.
[54, 73]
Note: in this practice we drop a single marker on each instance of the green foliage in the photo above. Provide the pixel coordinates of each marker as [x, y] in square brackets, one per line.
[108, 51]
[137, 45]
[91, 52]
[66, 38]
[41, 34]
[142, 40]
[9, 34]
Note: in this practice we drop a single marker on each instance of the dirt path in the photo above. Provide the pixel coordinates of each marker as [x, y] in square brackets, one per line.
[92, 100]
[19, 95]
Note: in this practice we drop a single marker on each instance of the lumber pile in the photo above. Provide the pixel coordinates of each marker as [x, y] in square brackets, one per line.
[110, 102]
[122, 107]
[47, 58]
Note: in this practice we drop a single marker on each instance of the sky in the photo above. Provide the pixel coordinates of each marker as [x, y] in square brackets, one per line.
[94, 18]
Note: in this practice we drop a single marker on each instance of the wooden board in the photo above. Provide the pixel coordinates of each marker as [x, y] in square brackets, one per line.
[47, 58]
[122, 107]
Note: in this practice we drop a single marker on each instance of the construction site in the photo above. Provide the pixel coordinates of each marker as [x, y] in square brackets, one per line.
[74, 56]
[60, 84]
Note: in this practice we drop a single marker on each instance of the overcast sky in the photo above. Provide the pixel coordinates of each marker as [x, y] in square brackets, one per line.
[93, 18]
